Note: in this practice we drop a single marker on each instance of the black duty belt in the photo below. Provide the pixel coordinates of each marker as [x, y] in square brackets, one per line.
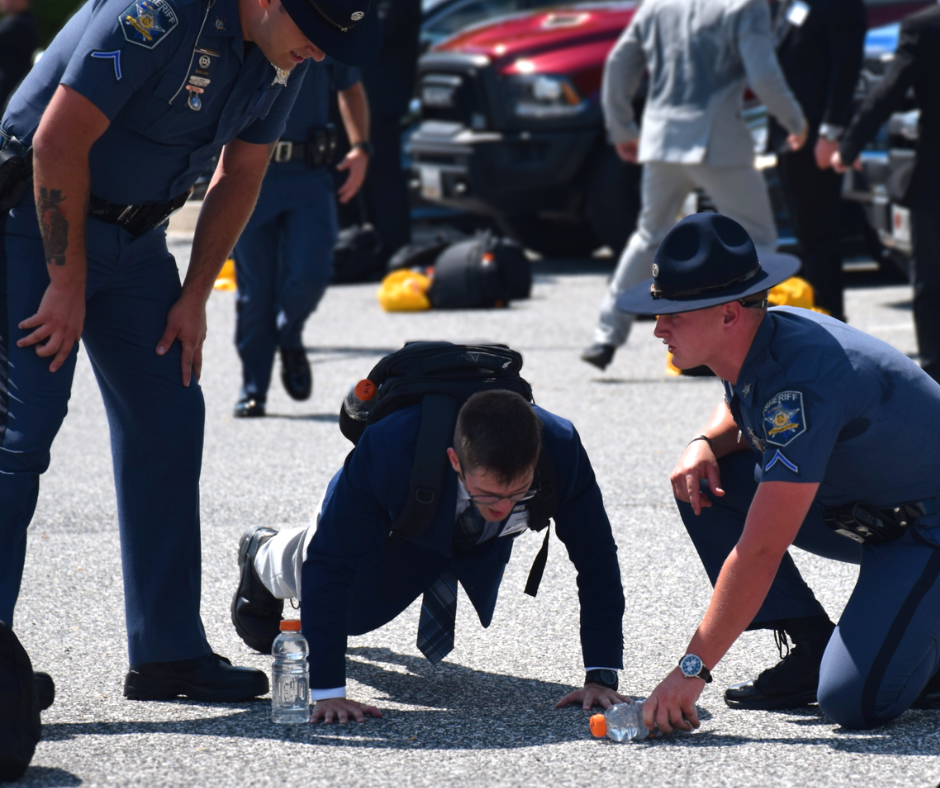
[136, 219]
[315, 152]
[866, 524]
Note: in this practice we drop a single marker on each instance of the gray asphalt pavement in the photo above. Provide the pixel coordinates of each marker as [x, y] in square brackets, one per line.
[483, 717]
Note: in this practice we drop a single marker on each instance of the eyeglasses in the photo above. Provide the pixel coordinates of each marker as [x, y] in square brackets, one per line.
[492, 500]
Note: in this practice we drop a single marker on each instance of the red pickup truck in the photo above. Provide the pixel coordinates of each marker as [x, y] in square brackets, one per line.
[512, 126]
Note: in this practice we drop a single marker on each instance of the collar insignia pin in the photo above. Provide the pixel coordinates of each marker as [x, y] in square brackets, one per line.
[746, 390]
[281, 78]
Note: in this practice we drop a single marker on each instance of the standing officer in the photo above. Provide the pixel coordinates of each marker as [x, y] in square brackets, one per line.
[284, 257]
[123, 112]
[700, 55]
[820, 44]
[915, 65]
[843, 431]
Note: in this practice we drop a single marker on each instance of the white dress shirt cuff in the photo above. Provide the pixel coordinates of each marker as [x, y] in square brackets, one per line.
[326, 694]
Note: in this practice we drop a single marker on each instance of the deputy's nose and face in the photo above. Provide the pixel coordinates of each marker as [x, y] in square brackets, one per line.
[276, 34]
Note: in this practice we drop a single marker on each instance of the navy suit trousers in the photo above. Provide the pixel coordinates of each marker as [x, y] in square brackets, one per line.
[884, 649]
[156, 425]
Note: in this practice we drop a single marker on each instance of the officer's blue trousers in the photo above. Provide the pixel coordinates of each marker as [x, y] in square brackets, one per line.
[156, 425]
[283, 263]
[887, 643]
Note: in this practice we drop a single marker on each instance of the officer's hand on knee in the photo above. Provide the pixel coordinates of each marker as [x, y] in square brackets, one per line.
[186, 321]
[697, 463]
[341, 709]
[58, 323]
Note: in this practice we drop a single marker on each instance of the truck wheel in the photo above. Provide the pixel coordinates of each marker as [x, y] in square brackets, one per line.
[612, 199]
[549, 238]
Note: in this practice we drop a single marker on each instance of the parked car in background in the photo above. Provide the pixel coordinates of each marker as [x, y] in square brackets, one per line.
[512, 129]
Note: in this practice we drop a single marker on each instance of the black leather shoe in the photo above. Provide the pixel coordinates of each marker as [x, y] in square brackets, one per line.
[599, 355]
[792, 682]
[248, 408]
[208, 678]
[45, 689]
[256, 612]
[295, 373]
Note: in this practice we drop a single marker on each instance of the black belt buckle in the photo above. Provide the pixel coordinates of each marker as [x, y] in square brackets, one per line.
[140, 219]
[866, 524]
[16, 168]
[283, 152]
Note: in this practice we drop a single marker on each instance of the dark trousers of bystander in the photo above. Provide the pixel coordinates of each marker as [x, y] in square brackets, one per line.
[812, 197]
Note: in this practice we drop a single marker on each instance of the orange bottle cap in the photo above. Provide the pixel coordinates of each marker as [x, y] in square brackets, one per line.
[365, 390]
[291, 625]
[598, 725]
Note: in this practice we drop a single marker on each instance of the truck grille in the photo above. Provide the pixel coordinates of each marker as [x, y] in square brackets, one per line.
[452, 97]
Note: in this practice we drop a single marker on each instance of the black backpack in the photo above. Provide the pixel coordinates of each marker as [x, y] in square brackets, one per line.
[480, 273]
[441, 376]
[357, 255]
[19, 707]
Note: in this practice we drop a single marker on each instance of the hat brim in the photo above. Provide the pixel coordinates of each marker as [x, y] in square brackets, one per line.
[359, 46]
[775, 268]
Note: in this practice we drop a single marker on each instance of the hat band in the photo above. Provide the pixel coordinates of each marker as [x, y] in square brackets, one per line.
[657, 293]
[322, 14]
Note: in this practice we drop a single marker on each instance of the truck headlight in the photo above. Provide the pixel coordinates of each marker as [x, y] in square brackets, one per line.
[440, 90]
[543, 96]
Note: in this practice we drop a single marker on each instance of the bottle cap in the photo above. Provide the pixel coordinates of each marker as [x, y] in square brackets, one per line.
[290, 625]
[598, 725]
[365, 390]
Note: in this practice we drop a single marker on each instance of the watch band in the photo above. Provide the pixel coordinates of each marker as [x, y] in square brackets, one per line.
[604, 677]
[692, 667]
[365, 146]
[703, 438]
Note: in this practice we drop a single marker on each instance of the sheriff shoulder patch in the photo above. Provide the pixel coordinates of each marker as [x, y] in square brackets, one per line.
[147, 22]
[784, 418]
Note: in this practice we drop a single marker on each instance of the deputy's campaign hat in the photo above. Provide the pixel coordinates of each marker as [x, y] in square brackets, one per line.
[346, 30]
[705, 260]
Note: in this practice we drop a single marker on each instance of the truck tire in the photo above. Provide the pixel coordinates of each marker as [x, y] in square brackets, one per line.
[549, 238]
[612, 199]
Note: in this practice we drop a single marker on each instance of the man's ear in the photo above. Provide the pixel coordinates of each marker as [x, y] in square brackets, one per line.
[454, 460]
[731, 313]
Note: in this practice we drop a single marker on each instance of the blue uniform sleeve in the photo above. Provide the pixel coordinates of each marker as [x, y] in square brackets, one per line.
[582, 525]
[122, 47]
[270, 128]
[344, 77]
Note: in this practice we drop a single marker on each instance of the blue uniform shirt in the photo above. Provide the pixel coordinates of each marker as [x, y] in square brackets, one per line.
[820, 401]
[312, 111]
[175, 78]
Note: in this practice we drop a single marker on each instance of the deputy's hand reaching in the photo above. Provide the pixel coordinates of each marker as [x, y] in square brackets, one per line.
[592, 695]
[697, 462]
[341, 709]
[672, 704]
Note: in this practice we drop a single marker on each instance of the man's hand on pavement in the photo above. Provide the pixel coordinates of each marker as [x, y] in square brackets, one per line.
[627, 151]
[59, 321]
[340, 710]
[592, 695]
[697, 462]
[672, 704]
[824, 151]
[357, 162]
[186, 321]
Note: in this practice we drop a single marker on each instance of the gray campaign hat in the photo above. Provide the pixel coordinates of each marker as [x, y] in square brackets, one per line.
[346, 30]
[705, 260]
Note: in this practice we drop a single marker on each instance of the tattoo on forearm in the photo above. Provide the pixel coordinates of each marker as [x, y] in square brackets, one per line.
[53, 225]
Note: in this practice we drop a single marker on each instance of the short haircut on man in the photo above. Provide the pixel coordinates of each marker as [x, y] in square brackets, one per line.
[499, 433]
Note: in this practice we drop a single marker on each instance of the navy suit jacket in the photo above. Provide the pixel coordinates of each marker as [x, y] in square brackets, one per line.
[351, 550]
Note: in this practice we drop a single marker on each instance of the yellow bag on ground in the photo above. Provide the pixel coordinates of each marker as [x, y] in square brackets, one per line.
[226, 278]
[404, 291]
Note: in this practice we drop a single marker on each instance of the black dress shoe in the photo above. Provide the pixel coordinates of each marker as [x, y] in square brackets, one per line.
[208, 678]
[792, 682]
[45, 689]
[248, 408]
[256, 612]
[599, 355]
[295, 373]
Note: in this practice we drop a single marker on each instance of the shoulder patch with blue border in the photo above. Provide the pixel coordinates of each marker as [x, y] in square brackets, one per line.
[147, 22]
[784, 417]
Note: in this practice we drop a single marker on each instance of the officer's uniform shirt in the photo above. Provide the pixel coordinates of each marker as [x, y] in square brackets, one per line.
[313, 109]
[176, 80]
[820, 401]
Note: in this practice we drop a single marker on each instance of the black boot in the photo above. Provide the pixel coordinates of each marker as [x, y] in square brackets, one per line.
[793, 681]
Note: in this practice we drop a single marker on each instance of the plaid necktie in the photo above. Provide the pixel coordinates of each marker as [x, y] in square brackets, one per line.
[438, 617]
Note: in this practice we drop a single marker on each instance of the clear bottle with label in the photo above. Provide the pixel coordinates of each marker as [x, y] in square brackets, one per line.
[359, 400]
[621, 722]
[290, 685]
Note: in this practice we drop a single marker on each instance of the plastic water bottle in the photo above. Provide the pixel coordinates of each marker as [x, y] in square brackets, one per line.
[621, 722]
[359, 400]
[290, 688]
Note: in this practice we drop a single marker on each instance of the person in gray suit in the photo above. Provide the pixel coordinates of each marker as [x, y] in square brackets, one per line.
[700, 54]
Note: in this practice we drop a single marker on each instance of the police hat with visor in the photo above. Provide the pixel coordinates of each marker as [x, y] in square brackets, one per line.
[707, 259]
[346, 30]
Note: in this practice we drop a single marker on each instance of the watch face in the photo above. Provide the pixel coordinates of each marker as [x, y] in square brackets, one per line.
[691, 665]
[609, 677]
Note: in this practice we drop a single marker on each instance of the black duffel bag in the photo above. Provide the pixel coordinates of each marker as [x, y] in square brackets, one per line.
[480, 273]
[357, 255]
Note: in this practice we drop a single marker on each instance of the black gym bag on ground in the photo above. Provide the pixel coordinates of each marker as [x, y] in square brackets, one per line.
[442, 376]
[480, 273]
[357, 255]
[19, 707]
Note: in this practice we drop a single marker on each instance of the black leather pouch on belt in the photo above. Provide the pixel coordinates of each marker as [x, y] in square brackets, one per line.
[866, 524]
[136, 219]
[321, 146]
[16, 167]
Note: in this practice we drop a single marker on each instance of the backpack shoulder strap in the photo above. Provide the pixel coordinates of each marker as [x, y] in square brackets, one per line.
[429, 470]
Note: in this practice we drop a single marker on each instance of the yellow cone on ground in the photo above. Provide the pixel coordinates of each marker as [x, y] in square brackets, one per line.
[226, 279]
